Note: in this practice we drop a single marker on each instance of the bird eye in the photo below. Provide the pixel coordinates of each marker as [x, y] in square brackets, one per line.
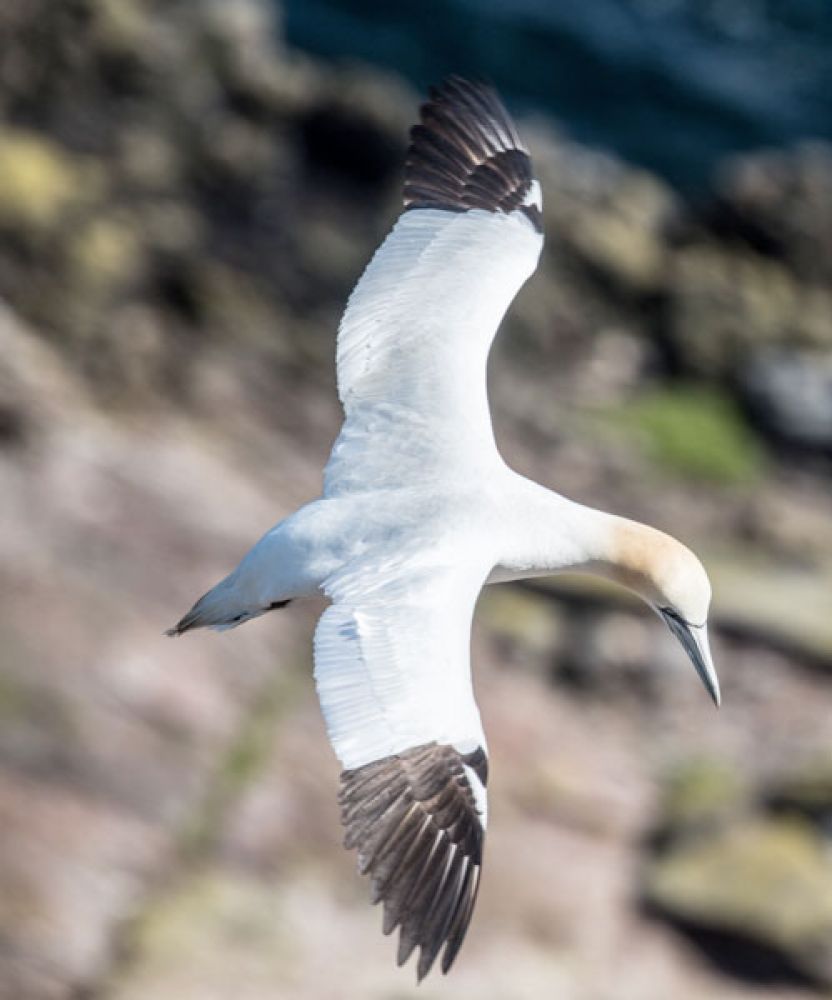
[669, 612]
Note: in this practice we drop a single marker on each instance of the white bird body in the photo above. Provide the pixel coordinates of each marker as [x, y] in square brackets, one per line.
[516, 528]
[419, 511]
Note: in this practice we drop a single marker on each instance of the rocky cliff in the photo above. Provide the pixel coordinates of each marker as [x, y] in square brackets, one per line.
[184, 205]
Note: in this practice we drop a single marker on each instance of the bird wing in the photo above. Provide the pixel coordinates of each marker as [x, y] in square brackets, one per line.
[414, 339]
[392, 669]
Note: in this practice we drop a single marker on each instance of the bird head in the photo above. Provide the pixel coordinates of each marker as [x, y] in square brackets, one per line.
[672, 580]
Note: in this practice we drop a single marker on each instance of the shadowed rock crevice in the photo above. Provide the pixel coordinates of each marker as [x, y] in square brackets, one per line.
[741, 957]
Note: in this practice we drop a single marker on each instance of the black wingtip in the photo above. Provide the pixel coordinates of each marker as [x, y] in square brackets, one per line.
[465, 154]
[420, 836]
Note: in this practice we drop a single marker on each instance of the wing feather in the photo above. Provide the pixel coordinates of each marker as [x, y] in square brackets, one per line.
[425, 860]
[414, 340]
[392, 651]
[393, 675]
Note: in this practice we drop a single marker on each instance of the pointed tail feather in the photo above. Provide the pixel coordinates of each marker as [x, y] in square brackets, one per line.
[218, 610]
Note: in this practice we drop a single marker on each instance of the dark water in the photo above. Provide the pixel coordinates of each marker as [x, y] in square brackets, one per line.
[671, 84]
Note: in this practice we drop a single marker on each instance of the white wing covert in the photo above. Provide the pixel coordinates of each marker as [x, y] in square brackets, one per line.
[392, 668]
[414, 340]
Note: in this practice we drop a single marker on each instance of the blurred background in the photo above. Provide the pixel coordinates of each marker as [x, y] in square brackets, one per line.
[188, 192]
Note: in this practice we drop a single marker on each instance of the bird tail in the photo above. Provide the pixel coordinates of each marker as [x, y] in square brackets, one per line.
[220, 609]
[214, 609]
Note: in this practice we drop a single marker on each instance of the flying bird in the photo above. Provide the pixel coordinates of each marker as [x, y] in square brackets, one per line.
[419, 511]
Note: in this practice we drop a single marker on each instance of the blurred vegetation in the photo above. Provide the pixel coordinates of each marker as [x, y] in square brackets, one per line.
[696, 432]
[699, 792]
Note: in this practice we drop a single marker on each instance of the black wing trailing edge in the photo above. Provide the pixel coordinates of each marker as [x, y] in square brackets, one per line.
[414, 819]
[466, 154]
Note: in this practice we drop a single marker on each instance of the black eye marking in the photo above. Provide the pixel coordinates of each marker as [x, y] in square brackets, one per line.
[669, 612]
[672, 615]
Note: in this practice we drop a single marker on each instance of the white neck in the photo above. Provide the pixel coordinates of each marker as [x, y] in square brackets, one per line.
[546, 533]
[550, 534]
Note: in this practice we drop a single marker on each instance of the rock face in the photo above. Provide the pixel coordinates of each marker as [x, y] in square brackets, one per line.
[791, 396]
[148, 210]
[806, 791]
[768, 883]
[698, 795]
[112, 752]
[184, 206]
[746, 871]
[780, 204]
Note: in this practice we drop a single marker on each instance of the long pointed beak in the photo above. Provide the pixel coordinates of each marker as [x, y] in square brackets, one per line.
[694, 639]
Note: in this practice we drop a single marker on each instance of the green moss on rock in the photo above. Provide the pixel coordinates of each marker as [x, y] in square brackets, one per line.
[700, 792]
[694, 432]
[105, 251]
[201, 937]
[39, 181]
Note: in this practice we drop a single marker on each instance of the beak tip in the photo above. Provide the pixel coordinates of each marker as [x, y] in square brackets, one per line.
[711, 681]
[694, 639]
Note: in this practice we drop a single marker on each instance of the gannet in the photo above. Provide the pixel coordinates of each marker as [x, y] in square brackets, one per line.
[419, 510]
